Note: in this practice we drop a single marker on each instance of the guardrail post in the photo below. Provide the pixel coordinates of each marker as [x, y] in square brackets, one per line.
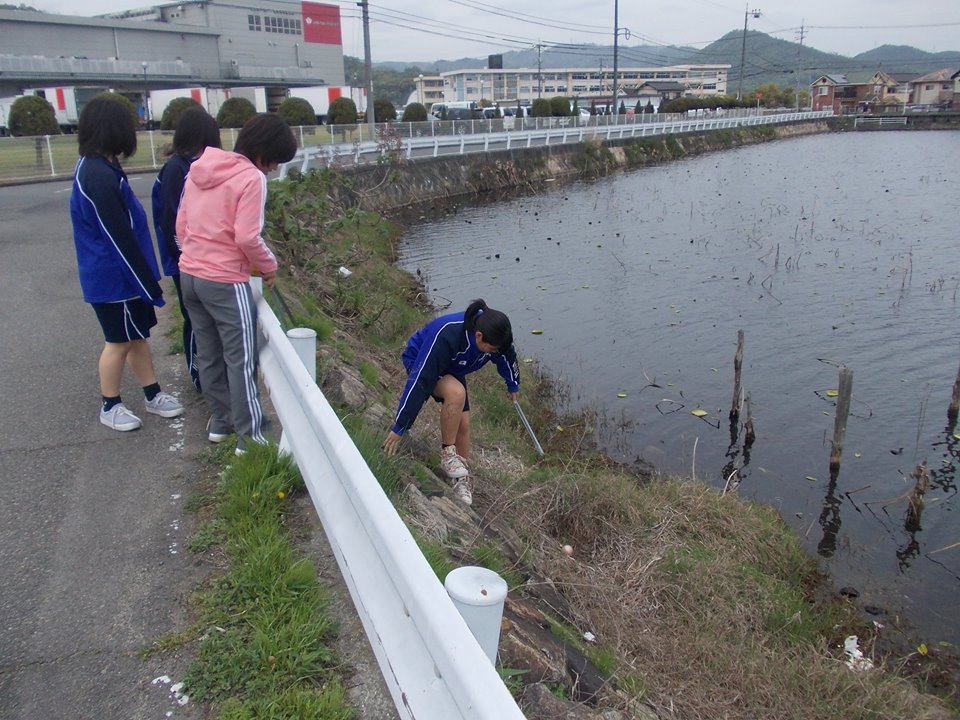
[304, 341]
[53, 169]
[479, 594]
[153, 150]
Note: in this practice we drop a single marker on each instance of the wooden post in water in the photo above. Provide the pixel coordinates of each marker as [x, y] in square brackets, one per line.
[737, 364]
[845, 391]
[955, 400]
[749, 435]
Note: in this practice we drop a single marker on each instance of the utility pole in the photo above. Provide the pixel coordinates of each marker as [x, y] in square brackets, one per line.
[367, 65]
[743, 47]
[799, 50]
[539, 68]
[616, 38]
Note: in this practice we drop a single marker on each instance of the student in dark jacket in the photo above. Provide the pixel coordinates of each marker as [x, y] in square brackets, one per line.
[195, 132]
[116, 261]
[438, 357]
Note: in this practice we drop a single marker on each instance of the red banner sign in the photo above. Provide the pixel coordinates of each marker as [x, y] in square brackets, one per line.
[321, 23]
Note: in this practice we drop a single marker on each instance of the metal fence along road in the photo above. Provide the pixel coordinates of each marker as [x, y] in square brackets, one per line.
[471, 136]
[29, 159]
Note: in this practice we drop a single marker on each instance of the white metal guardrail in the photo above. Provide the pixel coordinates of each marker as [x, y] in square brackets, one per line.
[362, 151]
[432, 664]
[878, 121]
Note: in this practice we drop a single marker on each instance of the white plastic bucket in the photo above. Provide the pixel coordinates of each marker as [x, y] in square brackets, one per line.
[478, 595]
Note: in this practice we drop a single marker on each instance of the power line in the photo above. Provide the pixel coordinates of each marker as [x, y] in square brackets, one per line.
[518, 15]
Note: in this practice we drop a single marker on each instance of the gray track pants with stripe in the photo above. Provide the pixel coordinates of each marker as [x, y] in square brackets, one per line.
[224, 320]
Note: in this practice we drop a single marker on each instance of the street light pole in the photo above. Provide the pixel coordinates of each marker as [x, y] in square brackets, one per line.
[146, 101]
[743, 47]
[420, 77]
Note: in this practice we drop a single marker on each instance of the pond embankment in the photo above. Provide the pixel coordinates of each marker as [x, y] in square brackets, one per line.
[401, 183]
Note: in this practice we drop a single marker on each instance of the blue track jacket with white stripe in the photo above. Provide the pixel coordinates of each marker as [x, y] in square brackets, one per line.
[115, 254]
[444, 347]
[165, 199]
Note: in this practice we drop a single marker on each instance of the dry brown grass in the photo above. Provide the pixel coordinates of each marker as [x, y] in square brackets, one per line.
[706, 598]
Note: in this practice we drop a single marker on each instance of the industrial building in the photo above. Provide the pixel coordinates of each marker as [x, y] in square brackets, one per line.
[218, 43]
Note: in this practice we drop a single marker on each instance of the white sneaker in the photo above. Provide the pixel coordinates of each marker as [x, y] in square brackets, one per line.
[463, 490]
[215, 436]
[120, 418]
[452, 464]
[164, 405]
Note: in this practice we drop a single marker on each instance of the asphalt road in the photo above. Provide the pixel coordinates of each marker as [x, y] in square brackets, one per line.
[91, 520]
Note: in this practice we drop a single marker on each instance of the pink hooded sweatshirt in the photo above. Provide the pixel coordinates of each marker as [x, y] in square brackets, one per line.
[221, 218]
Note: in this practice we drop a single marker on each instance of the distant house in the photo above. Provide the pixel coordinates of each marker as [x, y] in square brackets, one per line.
[934, 89]
[886, 92]
[955, 105]
[655, 93]
[834, 92]
[881, 91]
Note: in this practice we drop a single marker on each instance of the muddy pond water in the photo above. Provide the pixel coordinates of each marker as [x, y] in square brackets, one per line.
[825, 250]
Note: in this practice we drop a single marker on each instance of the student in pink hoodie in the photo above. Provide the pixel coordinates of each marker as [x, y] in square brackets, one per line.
[219, 227]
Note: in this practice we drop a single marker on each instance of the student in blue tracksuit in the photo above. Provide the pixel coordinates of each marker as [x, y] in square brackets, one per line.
[116, 261]
[196, 131]
[438, 357]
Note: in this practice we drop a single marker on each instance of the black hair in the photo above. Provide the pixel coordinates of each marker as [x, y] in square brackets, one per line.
[266, 139]
[492, 324]
[106, 128]
[196, 130]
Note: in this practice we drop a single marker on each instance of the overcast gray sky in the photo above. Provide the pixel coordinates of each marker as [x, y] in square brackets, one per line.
[424, 30]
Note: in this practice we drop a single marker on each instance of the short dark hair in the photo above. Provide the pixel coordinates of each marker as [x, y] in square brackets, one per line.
[196, 130]
[266, 138]
[492, 324]
[107, 128]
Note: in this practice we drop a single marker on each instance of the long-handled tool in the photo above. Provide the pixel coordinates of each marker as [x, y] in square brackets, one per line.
[526, 424]
[276, 293]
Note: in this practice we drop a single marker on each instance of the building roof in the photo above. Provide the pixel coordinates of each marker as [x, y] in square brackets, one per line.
[835, 79]
[937, 76]
[43, 18]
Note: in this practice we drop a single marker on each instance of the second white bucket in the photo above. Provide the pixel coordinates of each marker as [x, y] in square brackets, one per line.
[478, 595]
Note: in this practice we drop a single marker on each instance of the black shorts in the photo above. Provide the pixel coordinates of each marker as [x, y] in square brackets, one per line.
[126, 320]
[466, 395]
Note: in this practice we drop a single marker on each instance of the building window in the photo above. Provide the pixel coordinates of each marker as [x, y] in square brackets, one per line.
[578, 76]
[283, 26]
[253, 23]
[823, 90]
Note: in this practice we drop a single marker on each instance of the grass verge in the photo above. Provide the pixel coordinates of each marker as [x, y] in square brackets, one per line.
[263, 648]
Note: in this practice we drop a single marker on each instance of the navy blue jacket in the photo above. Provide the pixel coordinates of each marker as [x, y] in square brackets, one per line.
[115, 254]
[444, 347]
[167, 189]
